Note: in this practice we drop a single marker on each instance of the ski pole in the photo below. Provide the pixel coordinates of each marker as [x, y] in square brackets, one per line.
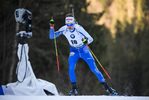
[100, 64]
[56, 56]
[98, 61]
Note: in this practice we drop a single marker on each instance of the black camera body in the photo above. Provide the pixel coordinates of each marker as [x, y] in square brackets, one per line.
[24, 16]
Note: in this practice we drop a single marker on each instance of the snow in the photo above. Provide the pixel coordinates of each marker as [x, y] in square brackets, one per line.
[9, 97]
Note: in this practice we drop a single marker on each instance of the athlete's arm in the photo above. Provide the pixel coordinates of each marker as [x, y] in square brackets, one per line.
[57, 33]
[85, 34]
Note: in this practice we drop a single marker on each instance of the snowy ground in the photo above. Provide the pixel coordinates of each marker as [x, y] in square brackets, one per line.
[73, 98]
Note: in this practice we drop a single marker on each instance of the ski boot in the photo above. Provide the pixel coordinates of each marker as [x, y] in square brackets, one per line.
[109, 89]
[74, 89]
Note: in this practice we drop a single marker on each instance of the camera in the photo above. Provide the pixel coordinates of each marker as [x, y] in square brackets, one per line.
[24, 16]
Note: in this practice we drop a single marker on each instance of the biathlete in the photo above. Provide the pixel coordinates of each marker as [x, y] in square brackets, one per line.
[78, 38]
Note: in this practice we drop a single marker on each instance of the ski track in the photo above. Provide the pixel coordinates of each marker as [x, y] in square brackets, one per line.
[9, 97]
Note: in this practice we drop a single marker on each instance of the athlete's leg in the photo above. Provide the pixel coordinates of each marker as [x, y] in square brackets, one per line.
[90, 61]
[73, 58]
[86, 55]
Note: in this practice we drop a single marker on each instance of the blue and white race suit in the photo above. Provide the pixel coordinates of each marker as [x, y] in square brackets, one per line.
[77, 49]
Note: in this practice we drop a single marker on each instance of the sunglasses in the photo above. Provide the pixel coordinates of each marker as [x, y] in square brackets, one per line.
[69, 24]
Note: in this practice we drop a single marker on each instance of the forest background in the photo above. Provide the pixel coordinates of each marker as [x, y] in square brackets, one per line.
[120, 29]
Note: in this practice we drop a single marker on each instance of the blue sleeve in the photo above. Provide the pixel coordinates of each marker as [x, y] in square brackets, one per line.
[51, 33]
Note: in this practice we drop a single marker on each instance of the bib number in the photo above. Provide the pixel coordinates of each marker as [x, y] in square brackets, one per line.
[74, 42]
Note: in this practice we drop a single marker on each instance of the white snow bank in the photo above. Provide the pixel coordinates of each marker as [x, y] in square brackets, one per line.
[74, 98]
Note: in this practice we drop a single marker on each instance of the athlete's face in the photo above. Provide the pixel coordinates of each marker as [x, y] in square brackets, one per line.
[70, 26]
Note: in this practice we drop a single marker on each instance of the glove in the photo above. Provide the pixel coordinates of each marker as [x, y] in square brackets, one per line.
[51, 22]
[85, 41]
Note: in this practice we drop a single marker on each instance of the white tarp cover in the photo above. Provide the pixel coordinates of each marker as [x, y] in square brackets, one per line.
[27, 83]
